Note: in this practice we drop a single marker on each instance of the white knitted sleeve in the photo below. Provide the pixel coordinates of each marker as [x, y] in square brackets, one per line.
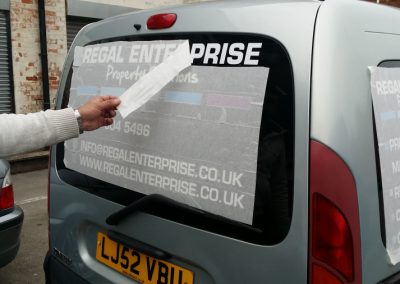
[27, 132]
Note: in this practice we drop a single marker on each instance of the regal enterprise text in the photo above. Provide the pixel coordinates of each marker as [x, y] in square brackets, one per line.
[212, 174]
[163, 182]
[141, 159]
[144, 177]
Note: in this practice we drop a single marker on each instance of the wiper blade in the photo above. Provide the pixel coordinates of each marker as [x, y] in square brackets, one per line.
[147, 201]
[157, 200]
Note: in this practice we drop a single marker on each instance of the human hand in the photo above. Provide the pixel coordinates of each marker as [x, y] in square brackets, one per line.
[98, 111]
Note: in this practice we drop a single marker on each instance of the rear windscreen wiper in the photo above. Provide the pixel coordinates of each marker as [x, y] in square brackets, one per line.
[146, 202]
[157, 200]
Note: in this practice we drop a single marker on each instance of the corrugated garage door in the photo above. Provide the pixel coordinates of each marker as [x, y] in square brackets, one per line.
[74, 24]
[6, 97]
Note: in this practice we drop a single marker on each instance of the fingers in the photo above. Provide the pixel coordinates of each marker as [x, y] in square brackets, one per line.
[109, 103]
[106, 98]
[109, 114]
[99, 111]
[108, 121]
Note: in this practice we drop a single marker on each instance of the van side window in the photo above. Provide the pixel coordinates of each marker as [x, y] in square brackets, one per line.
[275, 161]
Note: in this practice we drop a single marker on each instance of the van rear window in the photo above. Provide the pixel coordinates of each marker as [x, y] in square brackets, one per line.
[218, 137]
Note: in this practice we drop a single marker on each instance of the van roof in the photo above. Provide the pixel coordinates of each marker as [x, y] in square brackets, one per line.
[214, 3]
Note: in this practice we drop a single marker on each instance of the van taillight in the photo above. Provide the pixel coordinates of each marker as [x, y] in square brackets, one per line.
[335, 255]
[161, 21]
[332, 241]
[322, 276]
[6, 197]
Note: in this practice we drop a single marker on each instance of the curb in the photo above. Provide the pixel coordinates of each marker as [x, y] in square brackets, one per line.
[29, 162]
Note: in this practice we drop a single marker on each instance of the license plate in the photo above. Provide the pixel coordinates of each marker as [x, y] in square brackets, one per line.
[138, 266]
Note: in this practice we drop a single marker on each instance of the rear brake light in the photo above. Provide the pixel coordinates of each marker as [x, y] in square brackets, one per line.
[323, 276]
[7, 192]
[6, 197]
[161, 21]
[335, 254]
[332, 241]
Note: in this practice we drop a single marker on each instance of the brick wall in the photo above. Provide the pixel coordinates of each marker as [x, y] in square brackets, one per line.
[25, 40]
[56, 43]
[25, 55]
[395, 3]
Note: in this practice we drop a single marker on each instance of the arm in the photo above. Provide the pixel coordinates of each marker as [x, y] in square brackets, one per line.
[26, 132]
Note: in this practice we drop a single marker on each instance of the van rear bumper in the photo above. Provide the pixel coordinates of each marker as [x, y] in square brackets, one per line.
[58, 273]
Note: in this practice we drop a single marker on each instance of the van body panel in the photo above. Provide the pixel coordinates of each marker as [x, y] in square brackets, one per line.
[349, 37]
[76, 215]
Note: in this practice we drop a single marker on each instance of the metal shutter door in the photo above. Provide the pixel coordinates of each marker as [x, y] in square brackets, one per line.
[73, 27]
[6, 102]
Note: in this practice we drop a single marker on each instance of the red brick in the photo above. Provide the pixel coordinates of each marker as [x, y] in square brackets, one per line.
[37, 97]
[50, 13]
[31, 78]
[27, 1]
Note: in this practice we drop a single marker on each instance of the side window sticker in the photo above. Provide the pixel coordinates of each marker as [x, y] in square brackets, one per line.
[385, 88]
[195, 141]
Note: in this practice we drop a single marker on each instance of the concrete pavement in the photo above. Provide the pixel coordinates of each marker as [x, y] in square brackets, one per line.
[30, 190]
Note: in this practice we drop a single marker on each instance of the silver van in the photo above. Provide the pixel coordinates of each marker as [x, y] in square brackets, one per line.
[259, 163]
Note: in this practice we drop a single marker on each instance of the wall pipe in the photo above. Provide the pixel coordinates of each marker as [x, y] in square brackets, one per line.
[43, 54]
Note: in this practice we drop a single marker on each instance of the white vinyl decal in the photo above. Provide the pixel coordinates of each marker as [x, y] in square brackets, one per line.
[194, 138]
[385, 87]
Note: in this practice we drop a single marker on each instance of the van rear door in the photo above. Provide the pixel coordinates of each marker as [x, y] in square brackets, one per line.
[208, 181]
